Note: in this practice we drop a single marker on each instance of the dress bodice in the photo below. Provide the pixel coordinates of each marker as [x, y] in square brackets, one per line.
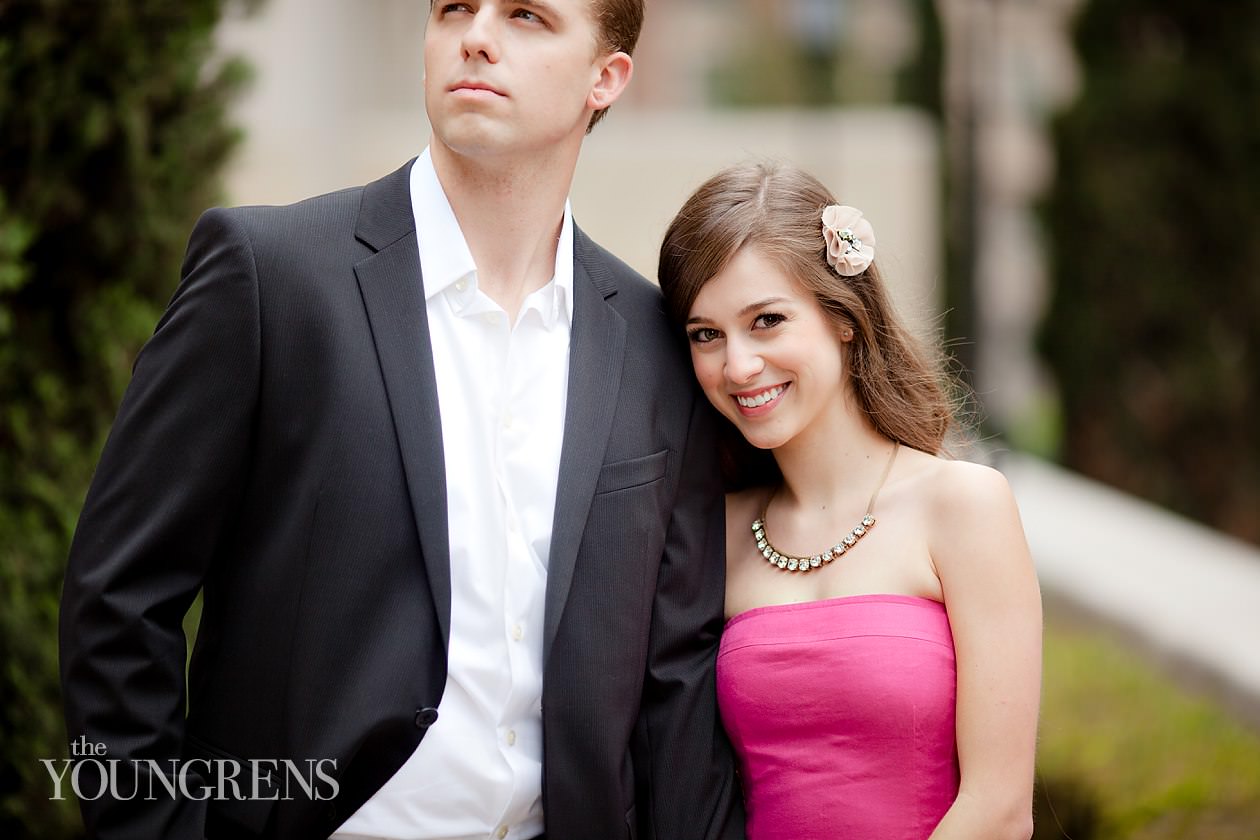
[842, 714]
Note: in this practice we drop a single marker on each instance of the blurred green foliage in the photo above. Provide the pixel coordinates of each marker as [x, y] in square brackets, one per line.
[812, 54]
[1125, 754]
[112, 134]
[774, 70]
[918, 81]
[773, 64]
[1156, 270]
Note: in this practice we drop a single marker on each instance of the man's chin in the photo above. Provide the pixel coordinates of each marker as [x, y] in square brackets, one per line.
[475, 135]
[465, 146]
[480, 135]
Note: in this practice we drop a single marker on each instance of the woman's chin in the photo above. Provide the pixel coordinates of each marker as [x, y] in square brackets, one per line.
[762, 438]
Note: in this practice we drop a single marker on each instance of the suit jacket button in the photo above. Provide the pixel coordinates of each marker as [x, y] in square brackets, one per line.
[426, 717]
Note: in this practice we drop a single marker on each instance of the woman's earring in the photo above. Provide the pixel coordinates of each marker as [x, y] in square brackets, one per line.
[846, 334]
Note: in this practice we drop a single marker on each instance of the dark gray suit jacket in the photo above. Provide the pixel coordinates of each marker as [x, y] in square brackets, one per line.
[280, 447]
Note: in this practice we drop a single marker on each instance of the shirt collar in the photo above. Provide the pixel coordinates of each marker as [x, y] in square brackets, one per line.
[445, 258]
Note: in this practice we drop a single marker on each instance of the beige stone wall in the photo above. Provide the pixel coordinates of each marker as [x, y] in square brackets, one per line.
[336, 99]
[637, 170]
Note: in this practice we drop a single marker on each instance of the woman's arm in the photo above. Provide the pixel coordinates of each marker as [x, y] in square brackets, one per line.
[994, 607]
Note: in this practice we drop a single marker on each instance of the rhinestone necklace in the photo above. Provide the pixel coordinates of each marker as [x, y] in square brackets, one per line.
[806, 564]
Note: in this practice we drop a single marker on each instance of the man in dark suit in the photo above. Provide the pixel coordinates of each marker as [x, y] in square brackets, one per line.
[437, 462]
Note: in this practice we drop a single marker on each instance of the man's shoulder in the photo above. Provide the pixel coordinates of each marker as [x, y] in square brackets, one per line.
[343, 202]
[320, 213]
[612, 275]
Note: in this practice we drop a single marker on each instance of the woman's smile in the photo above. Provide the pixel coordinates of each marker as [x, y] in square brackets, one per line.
[757, 403]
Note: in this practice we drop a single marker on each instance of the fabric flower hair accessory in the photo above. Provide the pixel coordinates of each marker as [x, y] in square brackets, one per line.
[850, 240]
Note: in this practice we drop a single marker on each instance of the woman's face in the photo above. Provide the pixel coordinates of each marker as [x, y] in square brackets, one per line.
[765, 353]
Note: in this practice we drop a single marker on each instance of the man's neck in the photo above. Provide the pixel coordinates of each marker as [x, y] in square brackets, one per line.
[510, 213]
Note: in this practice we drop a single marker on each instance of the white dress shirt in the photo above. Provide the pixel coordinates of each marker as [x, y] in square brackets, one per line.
[502, 390]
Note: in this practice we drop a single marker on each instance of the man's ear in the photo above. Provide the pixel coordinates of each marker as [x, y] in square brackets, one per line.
[615, 72]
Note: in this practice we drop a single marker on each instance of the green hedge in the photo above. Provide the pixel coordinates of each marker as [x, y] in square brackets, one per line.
[1125, 753]
[1152, 329]
[112, 135]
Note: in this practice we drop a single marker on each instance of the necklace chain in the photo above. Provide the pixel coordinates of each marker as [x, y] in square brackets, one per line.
[807, 564]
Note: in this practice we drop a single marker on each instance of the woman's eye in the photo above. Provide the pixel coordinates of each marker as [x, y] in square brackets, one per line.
[702, 335]
[768, 319]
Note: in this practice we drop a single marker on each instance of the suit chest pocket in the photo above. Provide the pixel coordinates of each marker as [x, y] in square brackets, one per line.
[632, 472]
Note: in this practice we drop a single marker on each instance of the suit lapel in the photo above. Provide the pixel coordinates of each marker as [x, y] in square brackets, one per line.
[393, 294]
[596, 349]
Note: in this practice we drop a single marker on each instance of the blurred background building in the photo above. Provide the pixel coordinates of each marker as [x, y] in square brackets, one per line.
[337, 101]
[328, 111]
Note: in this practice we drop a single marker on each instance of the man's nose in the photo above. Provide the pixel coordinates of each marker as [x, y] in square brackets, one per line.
[480, 38]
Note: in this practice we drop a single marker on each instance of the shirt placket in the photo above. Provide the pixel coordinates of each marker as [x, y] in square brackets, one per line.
[518, 631]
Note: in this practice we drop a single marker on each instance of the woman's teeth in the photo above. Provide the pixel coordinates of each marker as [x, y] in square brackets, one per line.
[762, 398]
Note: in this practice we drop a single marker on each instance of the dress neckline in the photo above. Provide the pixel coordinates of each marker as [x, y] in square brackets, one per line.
[885, 597]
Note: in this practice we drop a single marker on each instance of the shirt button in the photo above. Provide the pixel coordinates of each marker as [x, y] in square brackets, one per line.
[460, 285]
[490, 318]
[511, 737]
[507, 419]
[518, 632]
[502, 832]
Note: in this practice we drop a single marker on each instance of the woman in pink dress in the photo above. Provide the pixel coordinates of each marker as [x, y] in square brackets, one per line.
[880, 669]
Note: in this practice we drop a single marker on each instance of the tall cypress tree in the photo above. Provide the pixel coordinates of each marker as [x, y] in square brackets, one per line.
[112, 133]
[1152, 329]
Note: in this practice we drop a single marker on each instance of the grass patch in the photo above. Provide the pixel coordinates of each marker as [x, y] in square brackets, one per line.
[1126, 754]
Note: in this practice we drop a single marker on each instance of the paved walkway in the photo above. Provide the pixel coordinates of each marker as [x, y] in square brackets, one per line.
[1187, 591]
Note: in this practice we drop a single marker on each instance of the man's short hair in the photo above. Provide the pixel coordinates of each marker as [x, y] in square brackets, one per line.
[619, 23]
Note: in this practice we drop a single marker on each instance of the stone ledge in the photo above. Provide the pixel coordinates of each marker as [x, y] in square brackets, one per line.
[1187, 594]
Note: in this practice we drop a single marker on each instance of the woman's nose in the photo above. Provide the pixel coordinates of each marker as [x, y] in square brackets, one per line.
[743, 363]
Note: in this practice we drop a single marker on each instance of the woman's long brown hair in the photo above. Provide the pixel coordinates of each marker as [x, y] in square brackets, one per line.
[777, 209]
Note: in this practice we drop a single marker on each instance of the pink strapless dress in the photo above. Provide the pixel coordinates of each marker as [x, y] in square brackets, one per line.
[842, 714]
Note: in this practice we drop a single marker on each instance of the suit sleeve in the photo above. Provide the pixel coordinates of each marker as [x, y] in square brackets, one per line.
[690, 790]
[165, 487]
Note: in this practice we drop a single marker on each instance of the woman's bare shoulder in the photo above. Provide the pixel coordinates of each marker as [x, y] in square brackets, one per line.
[966, 489]
[973, 516]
